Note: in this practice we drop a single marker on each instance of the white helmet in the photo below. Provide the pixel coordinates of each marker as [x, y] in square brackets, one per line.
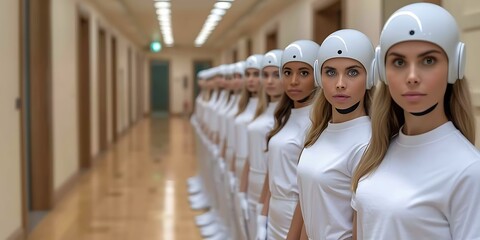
[272, 59]
[300, 51]
[222, 70]
[240, 68]
[230, 69]
[424, 22]
[201, 74]
[347, 43]
[254, 61]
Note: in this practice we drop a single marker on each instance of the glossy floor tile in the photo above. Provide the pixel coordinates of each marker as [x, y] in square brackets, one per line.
[135, 191]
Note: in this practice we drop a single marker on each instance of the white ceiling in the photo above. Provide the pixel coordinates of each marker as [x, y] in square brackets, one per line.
[137, 19]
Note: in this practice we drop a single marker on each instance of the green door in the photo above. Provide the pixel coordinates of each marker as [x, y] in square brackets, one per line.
[160, 92]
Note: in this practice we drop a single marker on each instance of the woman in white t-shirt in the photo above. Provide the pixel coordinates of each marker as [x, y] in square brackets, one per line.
[420, 176]
[246, 110]
[285, 141]
[255, 167]
[337, 139]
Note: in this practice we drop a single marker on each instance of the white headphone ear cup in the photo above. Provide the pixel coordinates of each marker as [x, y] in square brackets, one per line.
[461, 60]
[317, 74]
[380, 69]
[372, 75]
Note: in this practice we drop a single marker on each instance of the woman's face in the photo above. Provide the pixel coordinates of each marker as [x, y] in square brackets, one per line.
[228, 82]
[237, 82]
[252, 76]
[272, 83]
[344, 83]
[416, 73]
[298, 82]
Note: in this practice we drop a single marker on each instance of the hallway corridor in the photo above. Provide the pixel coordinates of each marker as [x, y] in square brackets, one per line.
[135, 191]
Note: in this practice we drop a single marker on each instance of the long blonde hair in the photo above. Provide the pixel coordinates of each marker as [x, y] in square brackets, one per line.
[322, 114]
[245, 96]
[263, 100]
[387, 119]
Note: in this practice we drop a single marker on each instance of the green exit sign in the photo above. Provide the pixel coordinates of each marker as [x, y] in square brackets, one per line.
[155, 46]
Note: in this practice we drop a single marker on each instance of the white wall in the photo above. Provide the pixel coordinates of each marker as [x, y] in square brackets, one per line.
[97, 21]
[365, 16]
[10, 200]
[146, 85]
[467, 14]
[181, 65]
[296, 22]
[64, 90]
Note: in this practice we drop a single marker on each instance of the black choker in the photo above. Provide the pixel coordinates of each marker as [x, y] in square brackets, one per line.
[348, 110]
[418, 114]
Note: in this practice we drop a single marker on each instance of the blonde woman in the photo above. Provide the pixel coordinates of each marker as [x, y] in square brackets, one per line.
[420, 176]
[255, 167]
[285, 141]
[337, 139]
[246, 110]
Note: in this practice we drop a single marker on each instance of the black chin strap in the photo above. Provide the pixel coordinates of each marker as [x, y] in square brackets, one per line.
[348, 110]
[429, 110]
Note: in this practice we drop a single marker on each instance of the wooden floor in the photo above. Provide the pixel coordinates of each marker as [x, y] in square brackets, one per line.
[136, 191]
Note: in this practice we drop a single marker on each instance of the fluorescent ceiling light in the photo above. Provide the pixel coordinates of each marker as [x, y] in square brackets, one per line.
[216, 14]
[218, 11]
[162, 4]
[164, 20]
[222, 5]
[164, 11]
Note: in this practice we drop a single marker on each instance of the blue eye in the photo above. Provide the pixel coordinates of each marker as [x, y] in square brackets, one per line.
[330, 72]
[352, 72]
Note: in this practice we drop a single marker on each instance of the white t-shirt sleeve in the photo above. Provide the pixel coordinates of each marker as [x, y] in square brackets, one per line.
[353, 162]
[464, 216]
[351, 166]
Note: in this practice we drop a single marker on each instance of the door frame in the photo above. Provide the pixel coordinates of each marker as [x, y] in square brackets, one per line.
[36, 142]
[321, 31]
[129, 86]
[84, 92]
[113, 53]
[102, 90]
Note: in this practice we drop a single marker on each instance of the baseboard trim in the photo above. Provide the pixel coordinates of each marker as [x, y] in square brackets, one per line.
[19, 234]
[68, 185]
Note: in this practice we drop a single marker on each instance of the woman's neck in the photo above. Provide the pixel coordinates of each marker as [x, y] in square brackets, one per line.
[340, 118]
[415, 125]
[275, 98]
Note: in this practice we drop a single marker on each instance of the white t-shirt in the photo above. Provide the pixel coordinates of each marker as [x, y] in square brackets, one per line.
[230, 120]
[207, 114]
[283, 151]
[214, 120]
[257, 133]
[223, 117]
[241, 123]
[427, 187]
[324, 174]
[222, 108]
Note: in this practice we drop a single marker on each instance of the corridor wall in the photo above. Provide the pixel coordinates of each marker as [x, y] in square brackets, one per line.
[10, 185]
